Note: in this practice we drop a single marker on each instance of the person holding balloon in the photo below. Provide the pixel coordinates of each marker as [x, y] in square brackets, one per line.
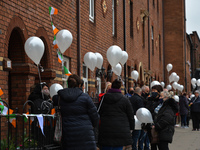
[164, 122]
[79, 116]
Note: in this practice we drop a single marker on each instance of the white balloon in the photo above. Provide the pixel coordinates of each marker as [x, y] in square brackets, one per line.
[181, 88]
[124, 57]
[117, 69]
[134, 75]
[99, 60]
[54, 88]
[90, 60]
[34, 48]
[144, 115]
[169, 67]
[169, 87]
[176, 98]
[176, 79]
[162, 84]
[137, 123]
[114, 55]
[174, 85]
[64, 40]
[155, 83]
[193, 81]
[178, 86]
[191, 96]
[198, 82]
[194, 86]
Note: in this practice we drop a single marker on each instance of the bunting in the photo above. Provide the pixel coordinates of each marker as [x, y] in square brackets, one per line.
[12, 120]
[66, 71]
[55, 30]
[60, 57]
[53, 11]
[54, 43]
[1, 92]
[26, 118]
[4, 110]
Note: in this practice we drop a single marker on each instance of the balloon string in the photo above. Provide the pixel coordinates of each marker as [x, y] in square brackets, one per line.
[40, 81]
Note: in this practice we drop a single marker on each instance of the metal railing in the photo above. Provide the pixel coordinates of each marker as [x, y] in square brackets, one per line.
[27, 134]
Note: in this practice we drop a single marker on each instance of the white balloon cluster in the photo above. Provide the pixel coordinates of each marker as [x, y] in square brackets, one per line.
[194, 81]
[115, 55]
[93, 60]
[155, 83]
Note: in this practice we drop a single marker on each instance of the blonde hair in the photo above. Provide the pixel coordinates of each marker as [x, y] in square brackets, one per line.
[166, 94]
[107, 84]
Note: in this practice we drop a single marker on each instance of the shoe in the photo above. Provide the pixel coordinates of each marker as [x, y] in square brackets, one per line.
[193, 129]
[198, 129]
[186, 127]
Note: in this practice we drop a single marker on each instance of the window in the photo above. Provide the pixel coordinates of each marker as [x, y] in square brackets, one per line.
[91, 10]
[98, 85]
[143, 31]
[131, 18]
[159, 38]
[65, 77]
[113, 17]
[85, 78]
[152, 40]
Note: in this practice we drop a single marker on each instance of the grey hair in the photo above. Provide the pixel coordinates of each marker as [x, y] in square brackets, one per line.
[137, 90]
[144, 88]
[166, 94]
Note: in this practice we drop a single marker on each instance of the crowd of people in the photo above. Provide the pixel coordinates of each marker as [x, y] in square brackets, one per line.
[115, 116]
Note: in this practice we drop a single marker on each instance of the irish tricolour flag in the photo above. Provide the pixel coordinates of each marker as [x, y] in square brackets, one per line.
[60, 57]
[53, 11]
[4, 109]
[55, 30]
[66, 71]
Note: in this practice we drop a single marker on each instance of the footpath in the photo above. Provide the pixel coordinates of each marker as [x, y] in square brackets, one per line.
[185, 139]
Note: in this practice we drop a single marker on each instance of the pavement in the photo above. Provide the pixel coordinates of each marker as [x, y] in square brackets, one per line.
[185, 139]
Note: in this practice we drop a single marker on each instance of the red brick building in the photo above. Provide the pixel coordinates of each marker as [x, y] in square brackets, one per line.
[149, 32]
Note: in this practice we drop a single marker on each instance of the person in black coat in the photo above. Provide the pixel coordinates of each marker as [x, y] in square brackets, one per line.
[195, 111]
[164, 122]
[79, 116]
[183, 109]
[116, 119]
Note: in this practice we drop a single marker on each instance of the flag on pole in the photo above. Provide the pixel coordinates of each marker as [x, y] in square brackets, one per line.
[1, 92]
[53, 11]
[55, 30]
[60, 57]
[66, 71]
[54, 43]
[53, 111]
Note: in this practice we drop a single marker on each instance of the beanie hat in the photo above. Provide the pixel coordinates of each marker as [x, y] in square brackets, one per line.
[158, 88]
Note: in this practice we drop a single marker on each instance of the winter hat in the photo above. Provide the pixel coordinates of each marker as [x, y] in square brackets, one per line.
[158, 88]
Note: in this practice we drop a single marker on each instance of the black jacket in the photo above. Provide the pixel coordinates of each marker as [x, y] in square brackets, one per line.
[164, 120]
[137, 102]
[117, 119]
[151, 104]
[183, 103]
[195, 107]
[79, 117]
[38, 100]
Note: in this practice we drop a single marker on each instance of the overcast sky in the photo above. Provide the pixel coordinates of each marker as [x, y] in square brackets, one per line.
[193, 16]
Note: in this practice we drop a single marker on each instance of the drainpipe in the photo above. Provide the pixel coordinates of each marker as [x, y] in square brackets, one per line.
[149, 39]
[78, 39]
[124, 24]
[163, 38]
[185, 48]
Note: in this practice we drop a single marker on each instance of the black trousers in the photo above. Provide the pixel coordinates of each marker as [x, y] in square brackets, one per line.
[160, 146]
[195, 120]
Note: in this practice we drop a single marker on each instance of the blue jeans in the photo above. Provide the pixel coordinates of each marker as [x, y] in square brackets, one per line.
[111, 148]
[144, 139]
[135, 137]
[183, 120]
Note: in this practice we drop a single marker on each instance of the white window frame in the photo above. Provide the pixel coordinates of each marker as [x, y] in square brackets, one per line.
[91, 10]
[98, 85]
[113, 17]
[85, 80]
[65, 62]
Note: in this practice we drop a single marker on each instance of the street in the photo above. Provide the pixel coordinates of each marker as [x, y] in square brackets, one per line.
[185, 139]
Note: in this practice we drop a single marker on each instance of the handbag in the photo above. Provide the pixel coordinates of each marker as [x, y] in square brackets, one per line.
[154, 136]
[58, 127]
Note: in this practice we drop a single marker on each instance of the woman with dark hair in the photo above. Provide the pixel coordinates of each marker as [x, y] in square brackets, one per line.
[117, 119]
[79, 116]
[184, 108]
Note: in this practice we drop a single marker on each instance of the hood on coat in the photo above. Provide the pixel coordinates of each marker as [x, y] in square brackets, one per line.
[70, 94]
[172, 103]
[111, 98]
